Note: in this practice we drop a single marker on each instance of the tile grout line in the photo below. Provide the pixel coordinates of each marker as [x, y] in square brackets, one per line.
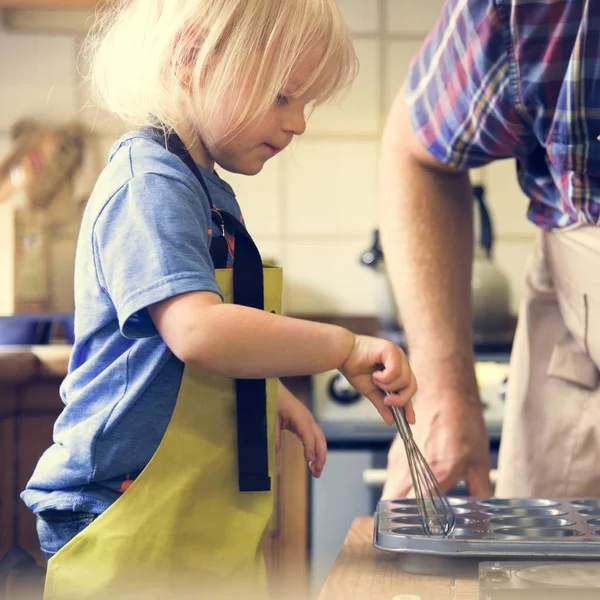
[283, 210]
[355, 236]
[382, 33]
[311, 137]
[384, 59]
[515, 238]
[75, 50]
[285, 238]
[384, 55]
[325, 237]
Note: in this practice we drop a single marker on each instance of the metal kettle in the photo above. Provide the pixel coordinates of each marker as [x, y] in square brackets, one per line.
[490, 293]
[490, 290]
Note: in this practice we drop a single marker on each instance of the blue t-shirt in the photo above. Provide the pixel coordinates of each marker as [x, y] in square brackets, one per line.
[144, 238]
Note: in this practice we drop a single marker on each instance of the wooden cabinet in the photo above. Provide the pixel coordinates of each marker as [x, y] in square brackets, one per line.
[286, 546]
[27, 414]
[29, 405]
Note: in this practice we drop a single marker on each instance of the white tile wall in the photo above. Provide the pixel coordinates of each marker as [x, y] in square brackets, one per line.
[399, 55]
[312, 209]
[507, 200]
[511, 256]
[362, 16]
[37, 78]
[358, 110]
[271, 252]
[331, 188]
[478, 177]
[413, 18]
[344, 286]
[260, 198]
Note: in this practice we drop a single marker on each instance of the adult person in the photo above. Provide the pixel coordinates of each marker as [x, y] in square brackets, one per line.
[500, 79]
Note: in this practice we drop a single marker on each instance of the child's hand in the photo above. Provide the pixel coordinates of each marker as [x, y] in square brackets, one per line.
[377, 366]
[295, 417]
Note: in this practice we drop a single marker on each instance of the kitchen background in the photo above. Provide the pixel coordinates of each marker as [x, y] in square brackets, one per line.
[313, 208]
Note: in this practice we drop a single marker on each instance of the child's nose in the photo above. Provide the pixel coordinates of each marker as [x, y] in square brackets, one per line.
[295, 121]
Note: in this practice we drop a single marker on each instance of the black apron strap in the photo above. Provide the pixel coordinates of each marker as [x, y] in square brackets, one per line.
[251, 394]
[248, 290]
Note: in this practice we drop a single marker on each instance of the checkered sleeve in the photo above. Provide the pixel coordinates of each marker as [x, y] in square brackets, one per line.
[461, 95]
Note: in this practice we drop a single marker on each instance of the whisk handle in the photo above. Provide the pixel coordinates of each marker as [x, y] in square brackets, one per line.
[401, 423]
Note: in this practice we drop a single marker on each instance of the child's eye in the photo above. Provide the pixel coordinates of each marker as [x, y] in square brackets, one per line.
[282, 100]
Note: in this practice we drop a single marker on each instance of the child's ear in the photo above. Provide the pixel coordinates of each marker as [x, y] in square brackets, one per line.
[186, 46]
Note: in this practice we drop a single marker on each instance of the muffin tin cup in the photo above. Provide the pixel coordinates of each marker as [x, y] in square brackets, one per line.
[416, 520]
[458, 531]
[518, 502]
[546, 522]
[590, 503]
[413, 510]
[524, 512]
[537, 532]
[404, 502]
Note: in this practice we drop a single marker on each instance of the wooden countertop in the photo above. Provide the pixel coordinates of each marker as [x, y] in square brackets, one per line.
[23, 363]
[363, 573]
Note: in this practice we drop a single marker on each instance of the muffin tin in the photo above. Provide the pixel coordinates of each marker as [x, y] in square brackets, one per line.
[496, 527]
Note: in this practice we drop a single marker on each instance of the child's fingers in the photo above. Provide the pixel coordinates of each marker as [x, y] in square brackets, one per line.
[395, 371]
[307, 436]
[403, 398]
[277, 435]
[402, 401]
[320, 451]
[396, 383]
[401, 391]
[409, 411]
[382, 400]
[403, 386]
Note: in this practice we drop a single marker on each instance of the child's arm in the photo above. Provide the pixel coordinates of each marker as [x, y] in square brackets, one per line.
[242, 342]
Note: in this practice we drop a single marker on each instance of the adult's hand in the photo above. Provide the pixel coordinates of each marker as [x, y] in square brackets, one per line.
[451, 433]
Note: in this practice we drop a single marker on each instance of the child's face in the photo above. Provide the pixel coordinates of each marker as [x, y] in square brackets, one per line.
[262, 139]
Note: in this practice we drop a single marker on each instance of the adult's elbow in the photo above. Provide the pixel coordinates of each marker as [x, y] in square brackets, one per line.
[398, 135]
[401, 145]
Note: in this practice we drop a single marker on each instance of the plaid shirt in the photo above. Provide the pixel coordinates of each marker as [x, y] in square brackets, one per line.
[518, 79]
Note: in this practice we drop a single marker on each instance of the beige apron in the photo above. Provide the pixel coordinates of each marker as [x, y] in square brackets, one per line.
[551, 433]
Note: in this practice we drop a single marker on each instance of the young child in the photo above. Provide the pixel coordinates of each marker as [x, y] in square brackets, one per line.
[159, 479]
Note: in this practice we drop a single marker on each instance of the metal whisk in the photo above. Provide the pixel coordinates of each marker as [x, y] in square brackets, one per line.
[437, 516]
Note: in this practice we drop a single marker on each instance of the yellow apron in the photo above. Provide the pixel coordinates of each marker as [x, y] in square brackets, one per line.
[183, 529]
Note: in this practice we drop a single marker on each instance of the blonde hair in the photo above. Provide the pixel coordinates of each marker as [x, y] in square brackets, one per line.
[183, 61]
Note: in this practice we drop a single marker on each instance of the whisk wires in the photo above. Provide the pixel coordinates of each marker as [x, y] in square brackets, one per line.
[435, 510]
